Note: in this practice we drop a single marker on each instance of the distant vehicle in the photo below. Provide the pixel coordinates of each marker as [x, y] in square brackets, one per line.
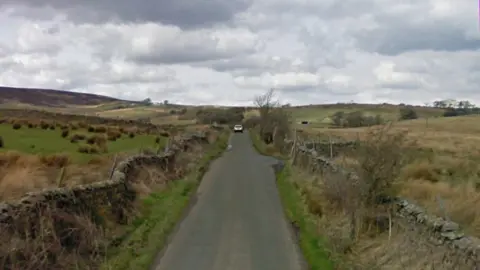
[238, 128]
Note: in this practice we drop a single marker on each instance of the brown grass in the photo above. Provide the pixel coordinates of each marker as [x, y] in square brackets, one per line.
[444, 177]
[21, 173]
[452, 134]
[67, 240]
[372, 248]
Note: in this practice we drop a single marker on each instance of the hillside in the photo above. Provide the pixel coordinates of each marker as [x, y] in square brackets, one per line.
[50, 98]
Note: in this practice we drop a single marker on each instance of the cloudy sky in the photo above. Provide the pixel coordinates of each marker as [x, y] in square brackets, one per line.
[228, 51]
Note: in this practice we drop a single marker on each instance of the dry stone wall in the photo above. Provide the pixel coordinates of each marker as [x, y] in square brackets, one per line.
[326, 149]
[440, 231]
[23, 218]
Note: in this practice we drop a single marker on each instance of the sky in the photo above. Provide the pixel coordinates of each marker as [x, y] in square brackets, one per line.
[226, 52]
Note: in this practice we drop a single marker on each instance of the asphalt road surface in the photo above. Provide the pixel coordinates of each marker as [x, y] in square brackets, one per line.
[237, 222]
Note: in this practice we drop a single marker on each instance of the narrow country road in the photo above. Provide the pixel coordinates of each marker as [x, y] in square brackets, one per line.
[237, 222]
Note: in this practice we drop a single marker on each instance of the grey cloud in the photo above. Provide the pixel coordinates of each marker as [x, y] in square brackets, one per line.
[254, 65]
[181, 55]
[156, 45]
[410, 85]
[394, 40]
[327, 9]
[183, 13]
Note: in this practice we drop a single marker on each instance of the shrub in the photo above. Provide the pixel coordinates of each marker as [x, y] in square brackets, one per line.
[88, 149]
[220, 116]
[91, 129]
[30, 125]
[131, 135]
[100, 129]
[96, 139]
[82, 124]
[408, 113]
[52, 127]
[44, 125]
[164, 133]
[65, 133]
[355, 119]
[77, 137]
[99, 140]
[113, 135]
[1, 142]
[381, 157]
[157, 140]
[17, 126]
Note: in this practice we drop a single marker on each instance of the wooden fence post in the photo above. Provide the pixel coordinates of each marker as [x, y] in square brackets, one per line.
[331, 146]
[114, 165]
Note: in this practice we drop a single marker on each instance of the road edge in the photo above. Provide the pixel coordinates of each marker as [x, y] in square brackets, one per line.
[311, 247]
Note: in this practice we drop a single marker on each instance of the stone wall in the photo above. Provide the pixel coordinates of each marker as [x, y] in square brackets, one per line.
[24, 220]
[439, 231]
[326, 148]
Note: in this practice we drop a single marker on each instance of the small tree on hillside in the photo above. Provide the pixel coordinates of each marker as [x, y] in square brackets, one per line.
[408, 113]
[147, 102]
[338, 118]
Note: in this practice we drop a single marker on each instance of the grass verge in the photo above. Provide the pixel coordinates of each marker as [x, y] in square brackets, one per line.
[160, 213]
[312, 244]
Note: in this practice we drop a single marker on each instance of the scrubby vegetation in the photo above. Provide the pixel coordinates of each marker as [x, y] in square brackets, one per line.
[228, 116]
[355, 119]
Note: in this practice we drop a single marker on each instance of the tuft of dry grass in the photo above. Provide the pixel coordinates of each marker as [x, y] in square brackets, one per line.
[67, 240]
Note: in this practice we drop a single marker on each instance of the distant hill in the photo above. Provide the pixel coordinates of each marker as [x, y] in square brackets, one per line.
[50, 98]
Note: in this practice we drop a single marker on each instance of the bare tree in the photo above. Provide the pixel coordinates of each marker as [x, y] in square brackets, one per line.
[274, 122]
[265, 103]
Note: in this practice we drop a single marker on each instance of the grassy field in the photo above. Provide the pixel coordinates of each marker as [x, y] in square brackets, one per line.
[451, 134]
[37, 154]
[444, 176]
[319, 116]
[47, 142]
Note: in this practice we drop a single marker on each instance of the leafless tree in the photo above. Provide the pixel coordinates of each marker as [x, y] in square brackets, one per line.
[274, 122]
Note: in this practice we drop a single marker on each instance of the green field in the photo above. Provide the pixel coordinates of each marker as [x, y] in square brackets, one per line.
[39, 141]
[320, 115]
